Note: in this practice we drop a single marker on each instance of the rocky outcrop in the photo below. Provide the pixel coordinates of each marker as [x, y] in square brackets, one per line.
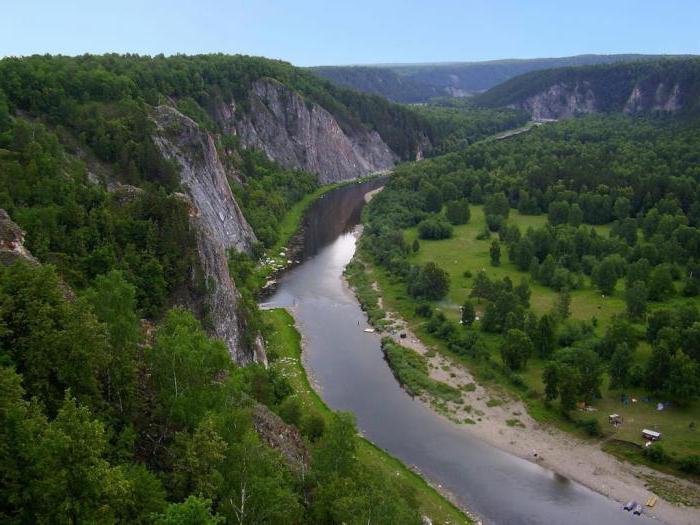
[661, 97]
[560, 101]
[217, 219]
[300, 134]
[569, 99]
[282, 437]
[12, 246]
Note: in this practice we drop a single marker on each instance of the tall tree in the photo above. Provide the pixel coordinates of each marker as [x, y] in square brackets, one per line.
[516, 349]
[636, 300]
[468, 313]
[495, 253]
[683, 382]
[621, 363]
[545, 337]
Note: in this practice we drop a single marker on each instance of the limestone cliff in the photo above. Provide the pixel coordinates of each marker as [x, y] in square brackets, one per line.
[657, 86]
[560, 101]
[217, 219]
[564, 100]
[301, 134]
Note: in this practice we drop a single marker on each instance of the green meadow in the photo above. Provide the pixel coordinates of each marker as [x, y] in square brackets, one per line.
[464, 252]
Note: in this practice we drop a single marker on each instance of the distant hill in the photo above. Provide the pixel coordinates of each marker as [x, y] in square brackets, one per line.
[379, 81]
[421, 82]
[664, 85]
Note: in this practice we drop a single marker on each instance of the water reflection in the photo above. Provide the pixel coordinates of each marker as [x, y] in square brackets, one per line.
[347, 363]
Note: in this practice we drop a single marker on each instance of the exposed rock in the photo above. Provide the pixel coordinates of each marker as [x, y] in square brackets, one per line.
[655, 98]
[124, 193]
[281, 437]
[217, 219]
[300, 134]
[12, 246]
[568, 99]
[561, 101]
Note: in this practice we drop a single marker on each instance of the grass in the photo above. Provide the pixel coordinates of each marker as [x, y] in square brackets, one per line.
[290, 225]
[284, 341]
[411, 370]
[366, 294]
[464, 252]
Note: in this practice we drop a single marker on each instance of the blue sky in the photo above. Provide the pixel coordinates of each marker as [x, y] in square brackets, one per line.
[313, 32]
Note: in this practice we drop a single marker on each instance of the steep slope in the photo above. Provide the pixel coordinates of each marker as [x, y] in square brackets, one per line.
[304, 135]
[164, 125]
[669, 85]
[421, 82]
[218, 223]
[12, 246]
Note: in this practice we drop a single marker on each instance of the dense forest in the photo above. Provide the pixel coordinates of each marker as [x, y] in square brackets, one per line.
[379, 81]
[411, 83]
[610, 84]
[115, 405]
[462, 123]
[637, 176]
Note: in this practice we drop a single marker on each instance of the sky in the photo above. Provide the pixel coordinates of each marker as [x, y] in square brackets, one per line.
[317, 32]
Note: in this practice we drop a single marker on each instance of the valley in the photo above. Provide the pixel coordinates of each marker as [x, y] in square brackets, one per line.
[473, 287]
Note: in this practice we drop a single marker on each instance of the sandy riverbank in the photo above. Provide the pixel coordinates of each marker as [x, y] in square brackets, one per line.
[503, 422]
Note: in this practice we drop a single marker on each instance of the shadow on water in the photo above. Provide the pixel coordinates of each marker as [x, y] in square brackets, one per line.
[335, 213]
[348, 366]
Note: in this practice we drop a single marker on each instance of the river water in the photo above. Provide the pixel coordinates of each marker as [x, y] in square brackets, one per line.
[347, 365]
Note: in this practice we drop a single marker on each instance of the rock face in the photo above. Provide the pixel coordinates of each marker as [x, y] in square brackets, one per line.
[303, 135]
[12, 242]
[661, 97]
[217, 220]
[282, 437]
[561, 101]
[564, 100]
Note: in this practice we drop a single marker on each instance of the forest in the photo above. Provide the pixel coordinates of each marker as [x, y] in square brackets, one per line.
[611, 84]
[564, 261]
[115, 404]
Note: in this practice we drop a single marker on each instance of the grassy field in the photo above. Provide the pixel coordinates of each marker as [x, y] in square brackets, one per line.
[464, 252]
[284, 340]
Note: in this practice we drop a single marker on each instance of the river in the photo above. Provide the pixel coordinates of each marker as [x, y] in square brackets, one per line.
[346, 364]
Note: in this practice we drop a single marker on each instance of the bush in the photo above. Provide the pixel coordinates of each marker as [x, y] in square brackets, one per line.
[434, 228]
[656, 453]
[590, 426]
[429, 282]
[495, 222]
[290, 411]
[458, 212]
[313, 427]
[424, 310]
[690, 464]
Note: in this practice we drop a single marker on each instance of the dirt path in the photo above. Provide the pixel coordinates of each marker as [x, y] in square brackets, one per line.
[504, 422]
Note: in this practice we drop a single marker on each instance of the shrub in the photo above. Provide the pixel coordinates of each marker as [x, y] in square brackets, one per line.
[314, 426]
[434, 228]
[424, 310]
[656, 453]
[690, 464]
[290, 411]
[590, 426]
[495, 222]
[458, 212]
[429, 282]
